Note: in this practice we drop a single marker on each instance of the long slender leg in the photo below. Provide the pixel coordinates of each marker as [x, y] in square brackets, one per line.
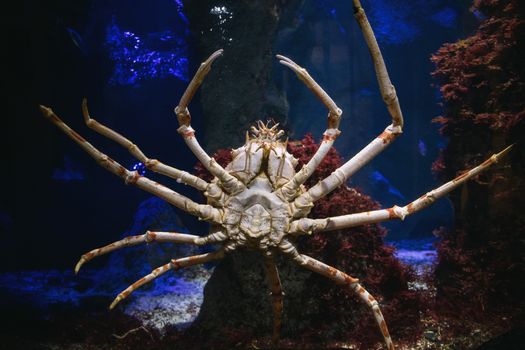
[342, 278]
[205, 212]
[306, 226]
[148, 237]
[152, 164]
[385, 85]
[174, 264]
[304, 202]
[289, 190]
[230, 183]
[272, 275]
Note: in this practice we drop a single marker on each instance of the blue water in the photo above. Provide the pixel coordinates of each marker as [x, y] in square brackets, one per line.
[419, 253]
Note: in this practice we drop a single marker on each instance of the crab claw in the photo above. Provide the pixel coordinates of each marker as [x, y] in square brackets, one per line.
[79, 264]
[115, 302]
[497, 156]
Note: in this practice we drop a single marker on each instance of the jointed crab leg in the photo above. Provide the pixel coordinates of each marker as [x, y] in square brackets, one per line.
[305, 201]
[230, 183]
[174, 264]
[289, 190]
[306, 225]
[334, 112]
[272, 274]
[341, 278]
[148, 237]
[152, 164]
[205, 212]
[385, 85]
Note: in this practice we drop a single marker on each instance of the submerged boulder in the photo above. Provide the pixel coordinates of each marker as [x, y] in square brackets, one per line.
[172, 300]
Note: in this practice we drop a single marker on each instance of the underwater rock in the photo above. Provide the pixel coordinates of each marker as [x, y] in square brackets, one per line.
[170, 301]
[237, 297]
[127, 265]
[173, 302]
[239, 89]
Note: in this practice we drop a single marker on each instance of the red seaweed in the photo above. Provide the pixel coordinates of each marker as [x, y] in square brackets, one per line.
[480, 271]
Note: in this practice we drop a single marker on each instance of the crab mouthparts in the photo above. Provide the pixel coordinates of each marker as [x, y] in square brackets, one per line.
[256, 221]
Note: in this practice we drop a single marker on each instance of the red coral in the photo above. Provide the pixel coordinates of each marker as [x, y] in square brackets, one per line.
[438, 166]
[222, 156]
[482, 76]
[304, 150]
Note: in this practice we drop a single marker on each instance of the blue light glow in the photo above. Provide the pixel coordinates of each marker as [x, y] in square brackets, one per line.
[402, 21]
[140, 168]
[381, 183]
[151, 56]
[393, 21]
[479, 15]
[180, 11]
[419, 253]
[446, 17]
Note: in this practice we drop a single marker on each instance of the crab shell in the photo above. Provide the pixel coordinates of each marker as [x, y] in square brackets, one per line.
[257, 217]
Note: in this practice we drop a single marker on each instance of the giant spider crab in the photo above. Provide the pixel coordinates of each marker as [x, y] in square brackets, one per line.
[258, 200]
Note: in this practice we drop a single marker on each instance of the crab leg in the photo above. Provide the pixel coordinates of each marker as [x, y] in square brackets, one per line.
[289, 190]
[174, 264]
[205, 212]
[231, 184]
[303, 203]
[305, 226]
[272, 275]
[148, 237]
[341, 278]
[388, 92]
[152, 164]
